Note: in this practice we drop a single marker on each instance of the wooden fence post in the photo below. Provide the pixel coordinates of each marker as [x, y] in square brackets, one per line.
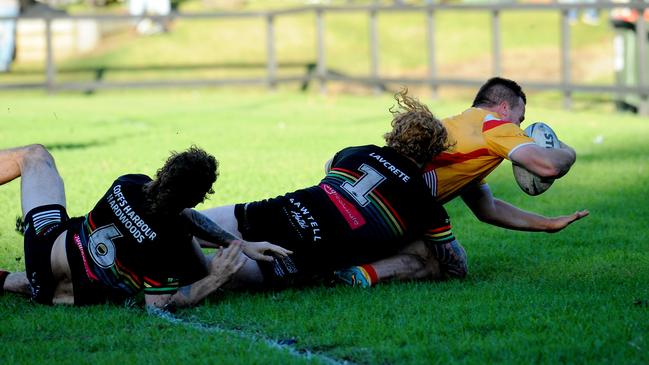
[270, 51]
[374, 51]
[50, 70]
[643, 76]
[321, 66]
[565, 59]
[430, 38]
[496, 42]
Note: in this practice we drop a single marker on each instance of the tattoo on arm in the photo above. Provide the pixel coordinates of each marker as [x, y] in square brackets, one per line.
[203, 228]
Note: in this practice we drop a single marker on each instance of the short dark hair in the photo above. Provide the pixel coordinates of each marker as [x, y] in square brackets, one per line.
[184, 181]
[497, 90]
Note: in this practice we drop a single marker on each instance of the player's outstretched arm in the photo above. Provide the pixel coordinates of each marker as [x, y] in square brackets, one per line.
[558, 223]
[502, 214]
[223, 266]
[205, 229]
[545, 162]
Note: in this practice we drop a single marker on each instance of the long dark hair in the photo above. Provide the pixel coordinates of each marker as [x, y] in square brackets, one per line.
[184, 181]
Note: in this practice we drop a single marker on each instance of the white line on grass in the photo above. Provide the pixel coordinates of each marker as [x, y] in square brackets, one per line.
[304, 354]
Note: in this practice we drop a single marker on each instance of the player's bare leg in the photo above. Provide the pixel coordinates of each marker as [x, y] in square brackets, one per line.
[11, 163]
[417, 261]
[64, 294]
[249, 276]
[41, 185]
[15, 282]
[225, 218]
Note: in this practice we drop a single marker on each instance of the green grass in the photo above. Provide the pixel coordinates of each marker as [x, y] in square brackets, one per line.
[578, 296]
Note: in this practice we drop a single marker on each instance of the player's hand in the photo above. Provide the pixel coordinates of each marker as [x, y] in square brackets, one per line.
[562, 222]
[227, 261]
[264, 251]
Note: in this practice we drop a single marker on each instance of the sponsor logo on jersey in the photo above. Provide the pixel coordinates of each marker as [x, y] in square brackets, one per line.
[86, 267]
[303, 217]
[353, 217]
[390, 167]
[133, 223]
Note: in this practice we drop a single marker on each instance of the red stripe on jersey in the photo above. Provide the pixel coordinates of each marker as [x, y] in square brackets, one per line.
[353, 217]
[130, 273]
[446, 159]
[352, 173]
[440, 229]
[151, 281]
[92, 224]
[491, 124]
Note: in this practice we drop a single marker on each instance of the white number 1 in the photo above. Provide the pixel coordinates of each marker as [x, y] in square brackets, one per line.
[363, 186]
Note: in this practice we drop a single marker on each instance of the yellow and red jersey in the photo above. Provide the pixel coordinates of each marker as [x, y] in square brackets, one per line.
[482, 140]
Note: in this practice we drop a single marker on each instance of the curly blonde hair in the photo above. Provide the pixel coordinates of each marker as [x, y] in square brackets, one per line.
[416, 133]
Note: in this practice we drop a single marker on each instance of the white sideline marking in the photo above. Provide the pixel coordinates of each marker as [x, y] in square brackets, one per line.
[304, 354]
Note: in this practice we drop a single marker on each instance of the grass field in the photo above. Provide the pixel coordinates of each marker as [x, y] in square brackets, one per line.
[578, 296]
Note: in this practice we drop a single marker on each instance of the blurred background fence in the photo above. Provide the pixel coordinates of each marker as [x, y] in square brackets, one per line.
[629, 87]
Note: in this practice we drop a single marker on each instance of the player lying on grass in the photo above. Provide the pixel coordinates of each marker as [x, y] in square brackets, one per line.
[372, 201]
[483, 136]
[138, 236]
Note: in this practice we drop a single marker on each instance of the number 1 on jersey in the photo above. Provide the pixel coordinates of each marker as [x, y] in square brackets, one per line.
[364, 185]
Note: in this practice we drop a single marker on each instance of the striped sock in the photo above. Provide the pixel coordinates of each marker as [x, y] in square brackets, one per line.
[358, 276]
[369, 273]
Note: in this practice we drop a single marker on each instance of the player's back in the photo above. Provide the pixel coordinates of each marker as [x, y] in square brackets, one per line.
[124, 247]
[482, 140]
[378, 195]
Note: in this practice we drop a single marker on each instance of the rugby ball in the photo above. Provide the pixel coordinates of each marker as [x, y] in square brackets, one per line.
[530, 183]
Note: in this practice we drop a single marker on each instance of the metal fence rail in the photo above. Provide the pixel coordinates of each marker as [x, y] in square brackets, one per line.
[432, 78]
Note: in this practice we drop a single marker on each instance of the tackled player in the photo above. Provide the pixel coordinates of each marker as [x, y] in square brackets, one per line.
[138, 237]
[484, 135]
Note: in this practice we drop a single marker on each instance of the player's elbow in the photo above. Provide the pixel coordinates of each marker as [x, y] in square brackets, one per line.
[558, 164]
[488, 216]
[556, 169]
[551, 167]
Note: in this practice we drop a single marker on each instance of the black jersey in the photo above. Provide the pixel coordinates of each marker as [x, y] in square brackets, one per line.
[383, 199]
[372, 202]
[125, 250]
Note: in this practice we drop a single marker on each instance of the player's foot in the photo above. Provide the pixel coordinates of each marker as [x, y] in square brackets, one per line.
[452, 259]
[353, 276]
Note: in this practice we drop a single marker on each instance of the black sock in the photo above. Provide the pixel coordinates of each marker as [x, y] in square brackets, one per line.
[3, 277]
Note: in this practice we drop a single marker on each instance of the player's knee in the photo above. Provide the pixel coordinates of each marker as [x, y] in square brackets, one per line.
[37, 153]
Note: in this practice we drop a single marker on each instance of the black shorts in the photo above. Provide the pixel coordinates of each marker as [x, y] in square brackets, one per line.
[274, 221]
[43, 225]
